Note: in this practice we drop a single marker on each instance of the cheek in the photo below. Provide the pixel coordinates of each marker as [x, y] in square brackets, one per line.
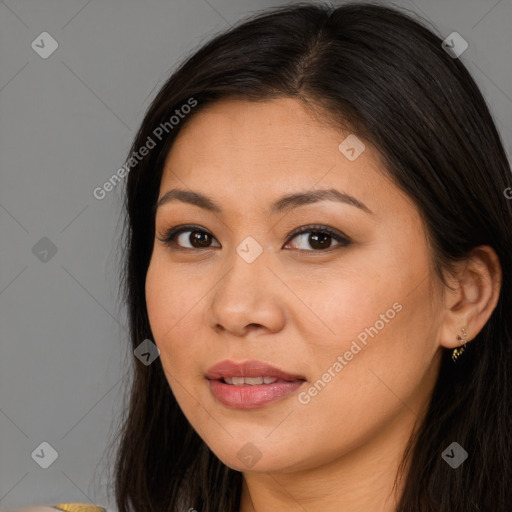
[352, 326]
[374, 368]
[173, 302]
[372, 327]
[342, 300]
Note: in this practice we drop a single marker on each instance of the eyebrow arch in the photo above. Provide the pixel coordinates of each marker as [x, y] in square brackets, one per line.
[285, 203]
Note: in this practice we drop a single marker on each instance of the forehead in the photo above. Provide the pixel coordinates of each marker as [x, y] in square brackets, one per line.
[265, 115]
[240, 151]
[278, 132]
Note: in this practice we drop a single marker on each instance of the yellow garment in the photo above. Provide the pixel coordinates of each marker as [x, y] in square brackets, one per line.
[78, 507]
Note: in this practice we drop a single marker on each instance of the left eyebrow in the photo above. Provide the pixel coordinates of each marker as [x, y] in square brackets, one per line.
[314, 196]
[285, 203]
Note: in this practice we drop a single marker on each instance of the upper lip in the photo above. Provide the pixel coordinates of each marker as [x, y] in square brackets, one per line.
[248, 369]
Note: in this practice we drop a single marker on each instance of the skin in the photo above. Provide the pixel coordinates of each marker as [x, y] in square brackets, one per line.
[298, 307]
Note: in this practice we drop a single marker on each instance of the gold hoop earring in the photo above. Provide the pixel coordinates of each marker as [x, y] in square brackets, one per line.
[458, 351]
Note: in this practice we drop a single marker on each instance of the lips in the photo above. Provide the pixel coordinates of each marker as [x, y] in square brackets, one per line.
[250, 395]
[249, 369]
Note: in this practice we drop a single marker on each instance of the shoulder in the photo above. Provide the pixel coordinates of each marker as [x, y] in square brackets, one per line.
[68, 507]
[34, 509]
[44, 508]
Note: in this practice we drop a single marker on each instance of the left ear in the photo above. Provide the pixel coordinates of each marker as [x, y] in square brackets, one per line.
[476, 289]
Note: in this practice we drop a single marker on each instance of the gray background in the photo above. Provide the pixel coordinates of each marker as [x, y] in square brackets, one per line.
[66, 124]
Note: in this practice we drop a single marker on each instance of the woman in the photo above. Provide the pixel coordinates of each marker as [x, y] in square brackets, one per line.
[320, 209]
[318, 273]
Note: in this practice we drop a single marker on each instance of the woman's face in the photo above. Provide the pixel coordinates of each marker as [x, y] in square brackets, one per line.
[355, 317]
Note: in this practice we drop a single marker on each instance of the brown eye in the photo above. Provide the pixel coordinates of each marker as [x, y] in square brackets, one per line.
[201, 238]
[195, 238]
[319, 238]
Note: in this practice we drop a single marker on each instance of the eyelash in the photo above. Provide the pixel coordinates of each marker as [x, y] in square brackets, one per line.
[171, 234]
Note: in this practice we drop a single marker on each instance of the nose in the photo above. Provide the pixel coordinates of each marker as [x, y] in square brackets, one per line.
[247, 298]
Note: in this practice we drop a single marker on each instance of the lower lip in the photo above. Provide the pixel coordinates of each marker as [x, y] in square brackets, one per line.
[251, 397]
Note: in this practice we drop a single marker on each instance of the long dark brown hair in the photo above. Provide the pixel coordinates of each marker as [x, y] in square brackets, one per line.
[384, 74]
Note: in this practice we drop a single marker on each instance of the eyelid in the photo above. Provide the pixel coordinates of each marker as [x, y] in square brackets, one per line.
[321, 228]
[169, 236]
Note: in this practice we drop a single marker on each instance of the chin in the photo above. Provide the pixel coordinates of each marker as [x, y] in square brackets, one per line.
[255, 457]
[263, 465]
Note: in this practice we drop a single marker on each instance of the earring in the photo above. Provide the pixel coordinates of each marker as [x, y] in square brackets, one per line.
[458, 351]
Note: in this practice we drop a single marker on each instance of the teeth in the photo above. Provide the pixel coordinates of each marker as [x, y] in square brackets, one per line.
[251, 381]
